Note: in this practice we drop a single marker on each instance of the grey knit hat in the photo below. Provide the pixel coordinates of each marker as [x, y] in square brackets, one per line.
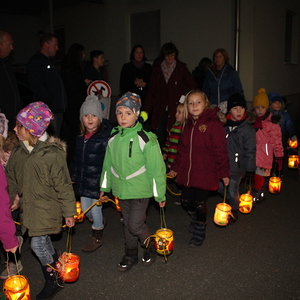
[91, 105]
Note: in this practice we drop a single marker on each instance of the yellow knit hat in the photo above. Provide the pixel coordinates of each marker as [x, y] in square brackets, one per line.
[261, 99]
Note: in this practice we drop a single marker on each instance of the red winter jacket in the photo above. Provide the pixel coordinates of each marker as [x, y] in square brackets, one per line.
[161, 94]
[202, 158]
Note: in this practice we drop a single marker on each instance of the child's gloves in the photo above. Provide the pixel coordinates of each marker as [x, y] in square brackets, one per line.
[279, 162]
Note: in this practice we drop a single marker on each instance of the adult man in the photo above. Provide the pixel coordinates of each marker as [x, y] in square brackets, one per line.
[45, 81]
[10, 102]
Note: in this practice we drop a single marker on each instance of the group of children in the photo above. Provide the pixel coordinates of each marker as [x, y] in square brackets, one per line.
[128, 161]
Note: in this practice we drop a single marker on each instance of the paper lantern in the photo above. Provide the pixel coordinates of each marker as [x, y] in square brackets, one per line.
[293, 161]
[245, 203]
[164, 241]
[118, 208]
[68, 267]
[16, 287]
[274, 185]
[293, 144]
[222, 214]
[79, 217]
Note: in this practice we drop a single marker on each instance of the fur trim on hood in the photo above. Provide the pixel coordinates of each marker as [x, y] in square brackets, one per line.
[56, 140]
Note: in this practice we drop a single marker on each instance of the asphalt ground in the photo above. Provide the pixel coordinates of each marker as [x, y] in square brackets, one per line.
[258, 257]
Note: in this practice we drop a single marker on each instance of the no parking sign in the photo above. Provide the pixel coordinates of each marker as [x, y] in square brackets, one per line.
[101, 89]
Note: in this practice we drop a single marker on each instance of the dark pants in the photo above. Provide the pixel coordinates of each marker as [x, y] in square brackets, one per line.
[134, 217]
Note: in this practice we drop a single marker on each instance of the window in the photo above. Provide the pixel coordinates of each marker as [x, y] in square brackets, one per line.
[291, 38]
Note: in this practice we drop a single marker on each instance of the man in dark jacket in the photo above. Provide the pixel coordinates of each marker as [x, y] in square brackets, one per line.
[45, 80]
[10, 102]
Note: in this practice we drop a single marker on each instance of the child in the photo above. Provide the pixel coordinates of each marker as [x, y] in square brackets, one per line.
[286, 124]
[268, 143]
[135, 171]
[37, 171]
[241, 149]
[170, 149]
[87, 165]
[201, 161]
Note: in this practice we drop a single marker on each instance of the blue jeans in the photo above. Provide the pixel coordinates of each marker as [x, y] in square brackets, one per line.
[233, 191]
[43, 248]
[94, 214]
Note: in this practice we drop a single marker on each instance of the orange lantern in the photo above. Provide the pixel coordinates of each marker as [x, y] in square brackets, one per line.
[118, 208]
[164, 241]
[79, 217]
[16, 287]
[293, 161]
[222, 214]
[68, 267]
[293, 144]
[274, 185]
[245, 203]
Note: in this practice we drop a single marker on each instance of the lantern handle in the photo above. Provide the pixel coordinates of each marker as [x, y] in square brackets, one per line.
[69, 240]
[162, 218]
[225, 191]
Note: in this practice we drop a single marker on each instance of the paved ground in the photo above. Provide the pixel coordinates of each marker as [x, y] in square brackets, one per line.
[256, 258]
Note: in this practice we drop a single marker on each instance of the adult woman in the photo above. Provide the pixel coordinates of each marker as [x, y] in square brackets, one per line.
[170, 79]
[135, 75]
[221, 80]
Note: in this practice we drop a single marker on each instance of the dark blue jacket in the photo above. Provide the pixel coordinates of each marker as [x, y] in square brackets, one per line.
[46, 83]
[88, 159]
[220, 89]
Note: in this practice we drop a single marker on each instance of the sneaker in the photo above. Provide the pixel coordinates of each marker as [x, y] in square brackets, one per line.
[126, 264]
[11, 270]
[149, 255]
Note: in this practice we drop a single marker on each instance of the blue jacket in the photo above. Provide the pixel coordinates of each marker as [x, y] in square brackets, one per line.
[220, 89]
[88, 159]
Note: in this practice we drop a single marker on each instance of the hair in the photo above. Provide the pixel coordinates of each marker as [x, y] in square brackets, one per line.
[168, 48]
[95, 54]
[131, 57]
[204, 63]
[192, 92]
[46, 38]
[10, 142]
[83, 130]
[223, 52]
[180, 105]
[74, 58]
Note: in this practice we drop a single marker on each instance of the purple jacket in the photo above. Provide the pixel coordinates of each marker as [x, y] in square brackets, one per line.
[7, 225]
[202, 159]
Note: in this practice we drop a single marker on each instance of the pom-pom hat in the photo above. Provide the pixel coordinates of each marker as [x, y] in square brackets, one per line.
[131, 101]
[236, 100]
[91, 105]
[35, 117]
[261, 99]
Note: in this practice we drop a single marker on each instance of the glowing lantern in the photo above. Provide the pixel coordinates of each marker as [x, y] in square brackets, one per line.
[79, 217]
[274, 185]
[16, 287]
[222, 214]
[245, 203]
[293, 162]
[118, 208]
[68, 267]
[164, 241]
[293, 144]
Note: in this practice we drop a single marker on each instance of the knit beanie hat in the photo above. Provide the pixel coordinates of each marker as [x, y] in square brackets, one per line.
[261, 99]
[35, 117]
[274, 97]
[91, 105]
[131, 101]
[236, 100]
[3, 125]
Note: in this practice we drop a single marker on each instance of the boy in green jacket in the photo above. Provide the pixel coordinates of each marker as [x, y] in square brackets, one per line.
[134, 170]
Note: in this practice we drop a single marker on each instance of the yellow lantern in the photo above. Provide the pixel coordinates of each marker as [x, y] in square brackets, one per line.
[16, 287]
[245, 203]
[293, 162]
[293, 144]
[222, 214]
[79, 217]
[68, 267]
[274, 185]
[164, 241]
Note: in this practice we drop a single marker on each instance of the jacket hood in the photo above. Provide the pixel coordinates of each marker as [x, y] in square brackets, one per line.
[55, 140]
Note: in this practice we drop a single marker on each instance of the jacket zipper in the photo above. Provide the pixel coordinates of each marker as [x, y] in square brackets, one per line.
[191, 141]
[130, 147]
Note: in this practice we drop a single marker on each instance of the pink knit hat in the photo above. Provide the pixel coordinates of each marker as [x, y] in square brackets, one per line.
[35, 117]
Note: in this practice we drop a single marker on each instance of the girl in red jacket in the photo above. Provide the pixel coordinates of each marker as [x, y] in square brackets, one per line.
[201, 161]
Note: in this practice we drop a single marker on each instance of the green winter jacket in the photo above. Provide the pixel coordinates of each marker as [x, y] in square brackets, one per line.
[133, 166]
[41, 179]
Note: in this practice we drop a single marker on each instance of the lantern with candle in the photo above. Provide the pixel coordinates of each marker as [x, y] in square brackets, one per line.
[222, 214]
[118, 208]
[16, 287]
[79, 217]
[293, 144]
[274, 185]
[293, 161]
[164, 241]
[245, 203]
[68, 267]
